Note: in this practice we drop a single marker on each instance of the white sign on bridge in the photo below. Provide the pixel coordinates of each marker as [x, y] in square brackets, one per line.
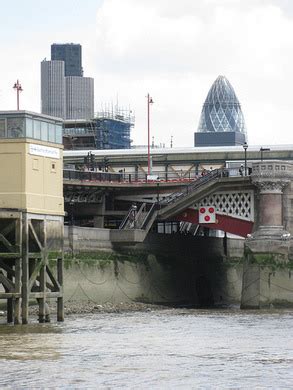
[206, 214]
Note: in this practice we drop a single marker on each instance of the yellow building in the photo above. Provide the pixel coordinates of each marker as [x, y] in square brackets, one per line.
[31, 163]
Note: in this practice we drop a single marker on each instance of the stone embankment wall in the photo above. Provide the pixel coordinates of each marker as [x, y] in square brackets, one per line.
[171, 269]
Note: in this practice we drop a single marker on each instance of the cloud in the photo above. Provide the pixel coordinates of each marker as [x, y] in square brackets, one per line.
[175, 50]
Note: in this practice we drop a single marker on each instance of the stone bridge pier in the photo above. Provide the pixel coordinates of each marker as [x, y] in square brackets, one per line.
[266, 268]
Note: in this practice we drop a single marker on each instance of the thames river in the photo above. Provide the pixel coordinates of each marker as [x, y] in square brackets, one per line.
[164, 349]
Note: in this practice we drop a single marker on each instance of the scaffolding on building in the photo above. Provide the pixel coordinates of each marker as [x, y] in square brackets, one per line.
[109, 129]
[114, 125]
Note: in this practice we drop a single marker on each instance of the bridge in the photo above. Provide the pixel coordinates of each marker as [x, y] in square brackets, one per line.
[102, 197]
[256, 207]
[233, 196]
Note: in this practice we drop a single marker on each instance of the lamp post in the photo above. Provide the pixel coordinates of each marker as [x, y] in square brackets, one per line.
[245, 146]
[149, 102]
[17, 86]
[263, 150]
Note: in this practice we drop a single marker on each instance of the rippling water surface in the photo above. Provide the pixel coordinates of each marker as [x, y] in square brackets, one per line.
[162, 349]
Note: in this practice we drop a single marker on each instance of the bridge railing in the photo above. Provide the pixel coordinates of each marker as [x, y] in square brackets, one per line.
[72, 174]
[123, 177]
[208, 177]
[135, 178]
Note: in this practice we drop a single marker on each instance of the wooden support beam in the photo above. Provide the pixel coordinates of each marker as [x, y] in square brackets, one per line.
[25, 268]
[60, 305]
[6, 243]
[6, 267]
[8, 228]
[22, 271]
[56, 284]
[4, 295]
[39, 295]
[9, 255]
[10, 301]
[35, 236]
[17, 282]
[35, 273]
[7, 284]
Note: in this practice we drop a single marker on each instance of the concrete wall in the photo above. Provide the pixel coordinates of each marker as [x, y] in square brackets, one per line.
[165, 268]
[173, 268]
[82, 239]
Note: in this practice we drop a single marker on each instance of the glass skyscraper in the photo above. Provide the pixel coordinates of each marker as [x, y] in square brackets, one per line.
[221, 122]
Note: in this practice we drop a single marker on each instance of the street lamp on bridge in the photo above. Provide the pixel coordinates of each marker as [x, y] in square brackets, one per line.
[245, 146]
[149, 102]
[263, 150]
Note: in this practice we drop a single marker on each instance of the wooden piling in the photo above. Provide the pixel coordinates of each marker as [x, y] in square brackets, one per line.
[25, 272]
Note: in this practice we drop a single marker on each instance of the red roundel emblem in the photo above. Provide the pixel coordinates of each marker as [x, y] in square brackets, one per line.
[211, 210]
[202, 210]
[207, 218]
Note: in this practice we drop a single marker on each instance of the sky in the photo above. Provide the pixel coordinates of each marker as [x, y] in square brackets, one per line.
[173, 50]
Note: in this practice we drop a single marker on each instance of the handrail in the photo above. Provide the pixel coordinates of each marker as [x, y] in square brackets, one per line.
[72, 174]
[126, 218]
[216, 173]
[149, 215]
[132, 218]
[87, 175]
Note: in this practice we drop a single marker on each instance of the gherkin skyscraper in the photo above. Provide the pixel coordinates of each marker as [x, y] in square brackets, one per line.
[221, 122]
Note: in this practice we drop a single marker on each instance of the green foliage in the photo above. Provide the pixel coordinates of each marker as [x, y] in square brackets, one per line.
[273, 261]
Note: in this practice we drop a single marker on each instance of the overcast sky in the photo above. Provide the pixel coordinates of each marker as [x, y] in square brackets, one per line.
[172, 49]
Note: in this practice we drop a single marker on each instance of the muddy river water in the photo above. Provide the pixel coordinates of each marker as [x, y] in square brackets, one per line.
[164, 349]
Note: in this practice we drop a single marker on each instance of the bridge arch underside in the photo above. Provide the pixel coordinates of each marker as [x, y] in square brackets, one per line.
[226, 223]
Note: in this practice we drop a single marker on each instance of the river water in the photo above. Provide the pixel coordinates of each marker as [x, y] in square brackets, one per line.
[165, 349]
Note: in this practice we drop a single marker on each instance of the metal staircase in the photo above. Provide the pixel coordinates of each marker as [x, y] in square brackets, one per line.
[137, 223]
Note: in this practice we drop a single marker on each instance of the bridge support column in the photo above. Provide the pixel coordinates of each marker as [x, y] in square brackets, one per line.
[99, 218]
[267, 249]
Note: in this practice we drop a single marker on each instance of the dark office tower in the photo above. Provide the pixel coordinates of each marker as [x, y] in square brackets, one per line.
[70, 53]
[221, 122]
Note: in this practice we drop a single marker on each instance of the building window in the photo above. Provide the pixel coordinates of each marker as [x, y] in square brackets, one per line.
[53, 166]
[29, 128]
[44, 131]
[2, 128]
[35, 164]
[37, 129]
[51, 132]
[59, 134]
[15, 127]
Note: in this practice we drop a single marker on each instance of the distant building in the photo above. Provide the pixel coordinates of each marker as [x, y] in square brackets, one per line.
[221, 122]
[53, 100]
[71, 54]
[79, 97]
[108, 130]
[65, 93]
